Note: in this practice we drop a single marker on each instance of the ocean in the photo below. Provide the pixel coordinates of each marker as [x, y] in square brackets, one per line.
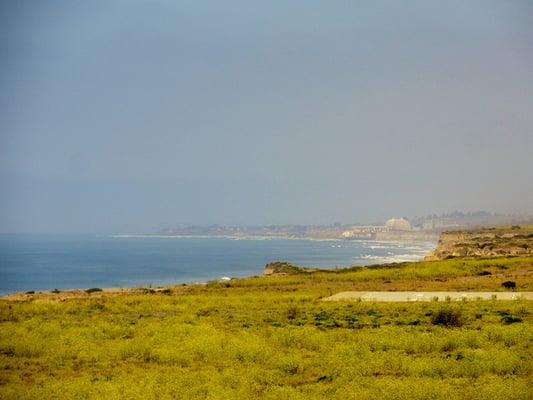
[46, 262]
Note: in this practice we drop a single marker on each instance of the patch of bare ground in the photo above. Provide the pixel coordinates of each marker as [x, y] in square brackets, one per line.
[429, 296]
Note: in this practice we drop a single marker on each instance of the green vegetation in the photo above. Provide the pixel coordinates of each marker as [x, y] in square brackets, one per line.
[93, 290]
[274, 338]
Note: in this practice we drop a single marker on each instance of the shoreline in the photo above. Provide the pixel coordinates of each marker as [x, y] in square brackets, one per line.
[102, 291]
[165, 285]
[174, 287]
[65, 294]
[389, 239]
[414, 251]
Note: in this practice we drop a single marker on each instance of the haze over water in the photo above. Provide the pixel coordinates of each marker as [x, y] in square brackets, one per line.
[126, 116]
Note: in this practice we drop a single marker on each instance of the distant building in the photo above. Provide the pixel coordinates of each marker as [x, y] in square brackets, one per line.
[398, 224]
[363, 232]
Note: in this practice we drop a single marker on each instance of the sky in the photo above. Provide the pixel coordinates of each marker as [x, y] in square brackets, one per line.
[127, 115]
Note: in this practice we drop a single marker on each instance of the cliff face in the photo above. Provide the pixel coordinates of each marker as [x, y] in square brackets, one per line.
[489, 242]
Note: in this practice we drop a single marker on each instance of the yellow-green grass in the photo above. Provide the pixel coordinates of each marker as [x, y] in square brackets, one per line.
[454, 274]
[274, 338]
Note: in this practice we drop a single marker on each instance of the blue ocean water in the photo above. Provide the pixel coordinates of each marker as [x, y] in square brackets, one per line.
[44, 262]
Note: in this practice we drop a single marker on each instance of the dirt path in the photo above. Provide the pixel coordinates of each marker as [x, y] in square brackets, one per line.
[429, 296]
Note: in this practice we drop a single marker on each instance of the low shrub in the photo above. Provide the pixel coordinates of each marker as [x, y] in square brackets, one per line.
[509, 284]
[92, 290]
[448, 316]
[510, 319]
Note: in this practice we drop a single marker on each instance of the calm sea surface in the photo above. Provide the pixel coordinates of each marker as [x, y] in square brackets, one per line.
[43, 262]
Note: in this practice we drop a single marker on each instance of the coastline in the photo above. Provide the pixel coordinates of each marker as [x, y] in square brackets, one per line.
[392, 294]
[69, 294]
[413, 236]
[239, 261]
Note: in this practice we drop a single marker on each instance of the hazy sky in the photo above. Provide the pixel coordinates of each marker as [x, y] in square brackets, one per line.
[121, 116]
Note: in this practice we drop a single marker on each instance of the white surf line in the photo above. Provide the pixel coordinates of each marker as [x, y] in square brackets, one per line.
[429, 296]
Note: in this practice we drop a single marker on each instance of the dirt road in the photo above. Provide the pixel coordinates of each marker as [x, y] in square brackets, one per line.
[429, 296]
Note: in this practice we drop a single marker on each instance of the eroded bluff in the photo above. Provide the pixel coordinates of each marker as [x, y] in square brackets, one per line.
[488, 242]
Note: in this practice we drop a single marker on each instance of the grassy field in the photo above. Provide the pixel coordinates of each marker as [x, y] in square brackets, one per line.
[274, 338]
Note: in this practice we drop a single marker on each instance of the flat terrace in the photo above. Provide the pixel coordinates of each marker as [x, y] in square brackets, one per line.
[429, 296]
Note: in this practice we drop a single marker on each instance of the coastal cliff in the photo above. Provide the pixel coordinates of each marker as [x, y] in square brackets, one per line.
[486, 242]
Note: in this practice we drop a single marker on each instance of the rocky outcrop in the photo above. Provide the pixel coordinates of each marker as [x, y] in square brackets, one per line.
[488, 242]
[284, 268]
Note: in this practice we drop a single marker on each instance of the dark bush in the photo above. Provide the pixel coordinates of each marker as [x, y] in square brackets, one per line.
[483, 273]
[292, 313]
[56, 291]
[509, 284]
[93, 289]
[448, 316]
[510, 319]
[30, 292]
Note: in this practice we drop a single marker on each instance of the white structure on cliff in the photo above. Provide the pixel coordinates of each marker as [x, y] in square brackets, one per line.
[398, 224]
